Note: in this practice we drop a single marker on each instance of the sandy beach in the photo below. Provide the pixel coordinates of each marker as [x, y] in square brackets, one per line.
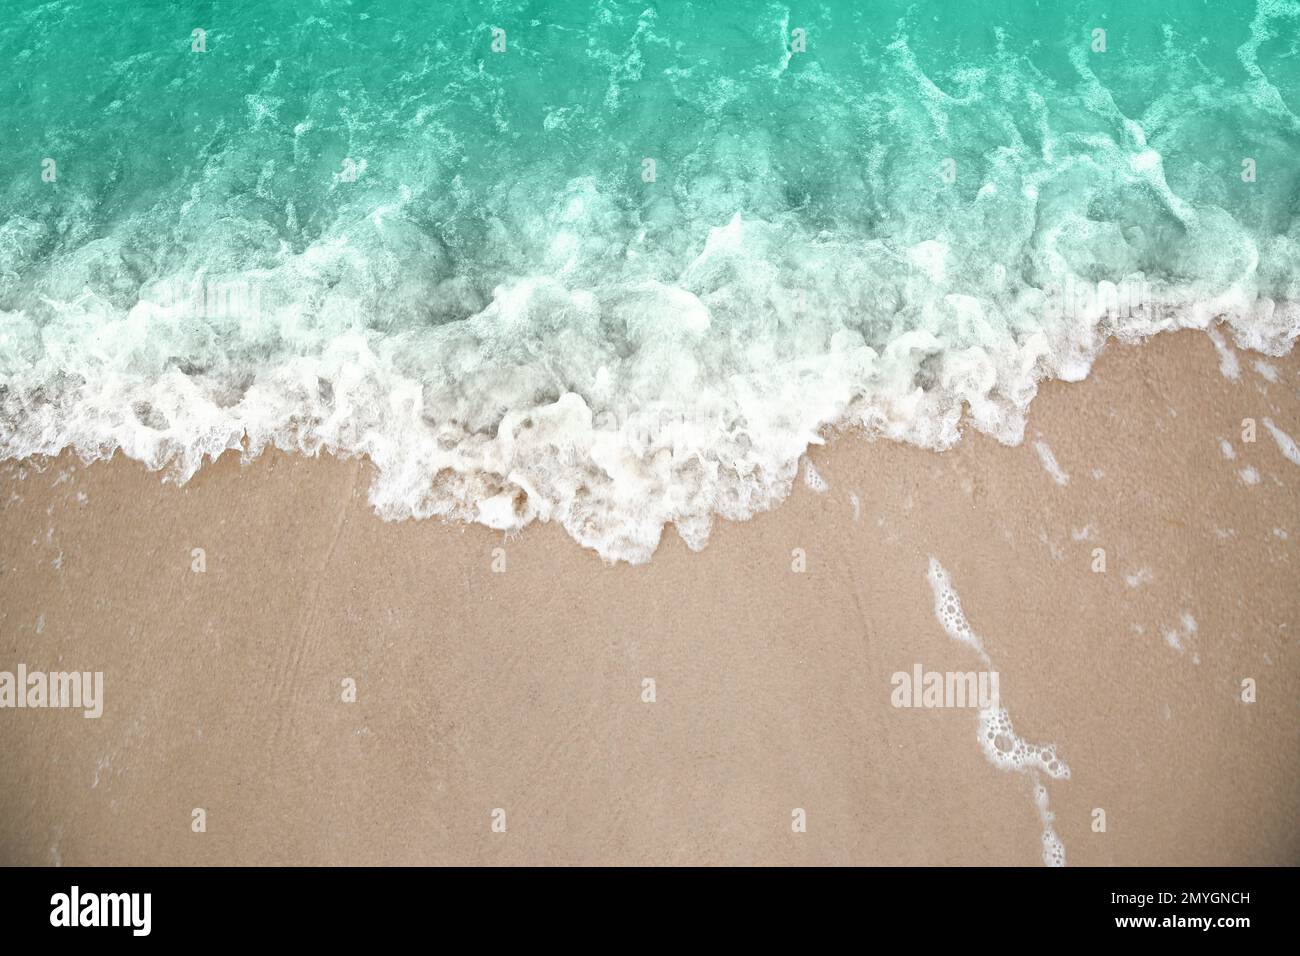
[496, 674]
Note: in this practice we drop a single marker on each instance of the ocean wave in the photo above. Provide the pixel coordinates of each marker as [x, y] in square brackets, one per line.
[633, 295]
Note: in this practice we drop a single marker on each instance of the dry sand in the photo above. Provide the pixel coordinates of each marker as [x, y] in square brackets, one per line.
[522, 690]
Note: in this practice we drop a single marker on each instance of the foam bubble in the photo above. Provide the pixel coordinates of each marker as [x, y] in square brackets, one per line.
[1008, 751]
[948, 610]
[813, 480]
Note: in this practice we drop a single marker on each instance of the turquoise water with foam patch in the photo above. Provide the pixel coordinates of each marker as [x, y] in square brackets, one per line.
[618, 264]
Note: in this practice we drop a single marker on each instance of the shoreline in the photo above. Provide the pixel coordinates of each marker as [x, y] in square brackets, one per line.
[522, 689]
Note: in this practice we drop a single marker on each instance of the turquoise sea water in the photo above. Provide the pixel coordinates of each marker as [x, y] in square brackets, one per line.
[617, 264]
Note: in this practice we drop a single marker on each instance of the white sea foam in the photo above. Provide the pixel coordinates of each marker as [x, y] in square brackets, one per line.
[1229, 367]
[525, 410]
[948, 610]
[1177, 637]
[997, 737]
[1050, 464]
[1139, 577]
[813, 480]
[1266, 371]
[1285, 443]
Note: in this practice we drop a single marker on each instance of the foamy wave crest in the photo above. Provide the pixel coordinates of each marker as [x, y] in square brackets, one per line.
[613, 410]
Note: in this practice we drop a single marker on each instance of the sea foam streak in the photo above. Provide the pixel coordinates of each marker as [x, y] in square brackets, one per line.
[472, 279]
[996, 735]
